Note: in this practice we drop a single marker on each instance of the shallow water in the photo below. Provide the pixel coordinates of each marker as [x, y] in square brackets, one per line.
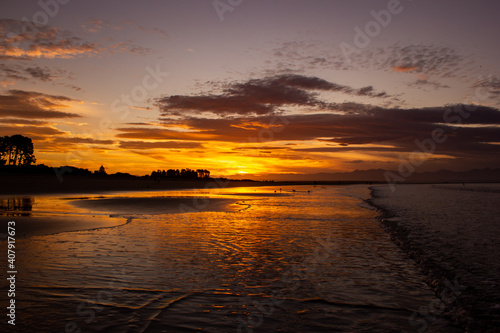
[301, 261]
[453, 231]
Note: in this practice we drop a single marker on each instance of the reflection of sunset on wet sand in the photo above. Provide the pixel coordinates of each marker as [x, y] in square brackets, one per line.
[309, 254]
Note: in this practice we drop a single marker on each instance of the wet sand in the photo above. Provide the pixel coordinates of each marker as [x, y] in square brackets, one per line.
[311, 262]
[28, 226]
[94, 213]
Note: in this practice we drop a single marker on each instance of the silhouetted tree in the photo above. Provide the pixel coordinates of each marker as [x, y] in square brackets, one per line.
[189, 174]
[4, 150]
[102, 171]
[202, 173]
[17, 150]
[184, 173]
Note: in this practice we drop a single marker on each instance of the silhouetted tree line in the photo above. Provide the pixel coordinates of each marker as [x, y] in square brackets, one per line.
[17, 156]
[40, 169]
[181, 174]
[16, 150]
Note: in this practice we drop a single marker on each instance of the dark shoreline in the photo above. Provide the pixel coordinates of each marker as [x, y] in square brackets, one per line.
[29, 184]
[45, 184]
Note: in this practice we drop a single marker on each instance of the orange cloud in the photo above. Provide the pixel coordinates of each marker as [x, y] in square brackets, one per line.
[59, 50]
[33, 131]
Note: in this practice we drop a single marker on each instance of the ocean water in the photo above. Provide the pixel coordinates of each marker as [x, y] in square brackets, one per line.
[303, 259]
[453, 232]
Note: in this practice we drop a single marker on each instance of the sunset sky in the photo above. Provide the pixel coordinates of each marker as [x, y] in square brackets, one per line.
[252, 87]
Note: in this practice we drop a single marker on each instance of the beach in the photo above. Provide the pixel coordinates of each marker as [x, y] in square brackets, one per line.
[296, 258]
[430, 250]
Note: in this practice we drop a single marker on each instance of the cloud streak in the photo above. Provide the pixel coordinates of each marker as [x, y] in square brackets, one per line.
[259, 96]
[34, 105]
[18, 72]
[134, 145]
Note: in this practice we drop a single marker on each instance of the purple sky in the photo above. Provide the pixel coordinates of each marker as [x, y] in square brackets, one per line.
[345, 90]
